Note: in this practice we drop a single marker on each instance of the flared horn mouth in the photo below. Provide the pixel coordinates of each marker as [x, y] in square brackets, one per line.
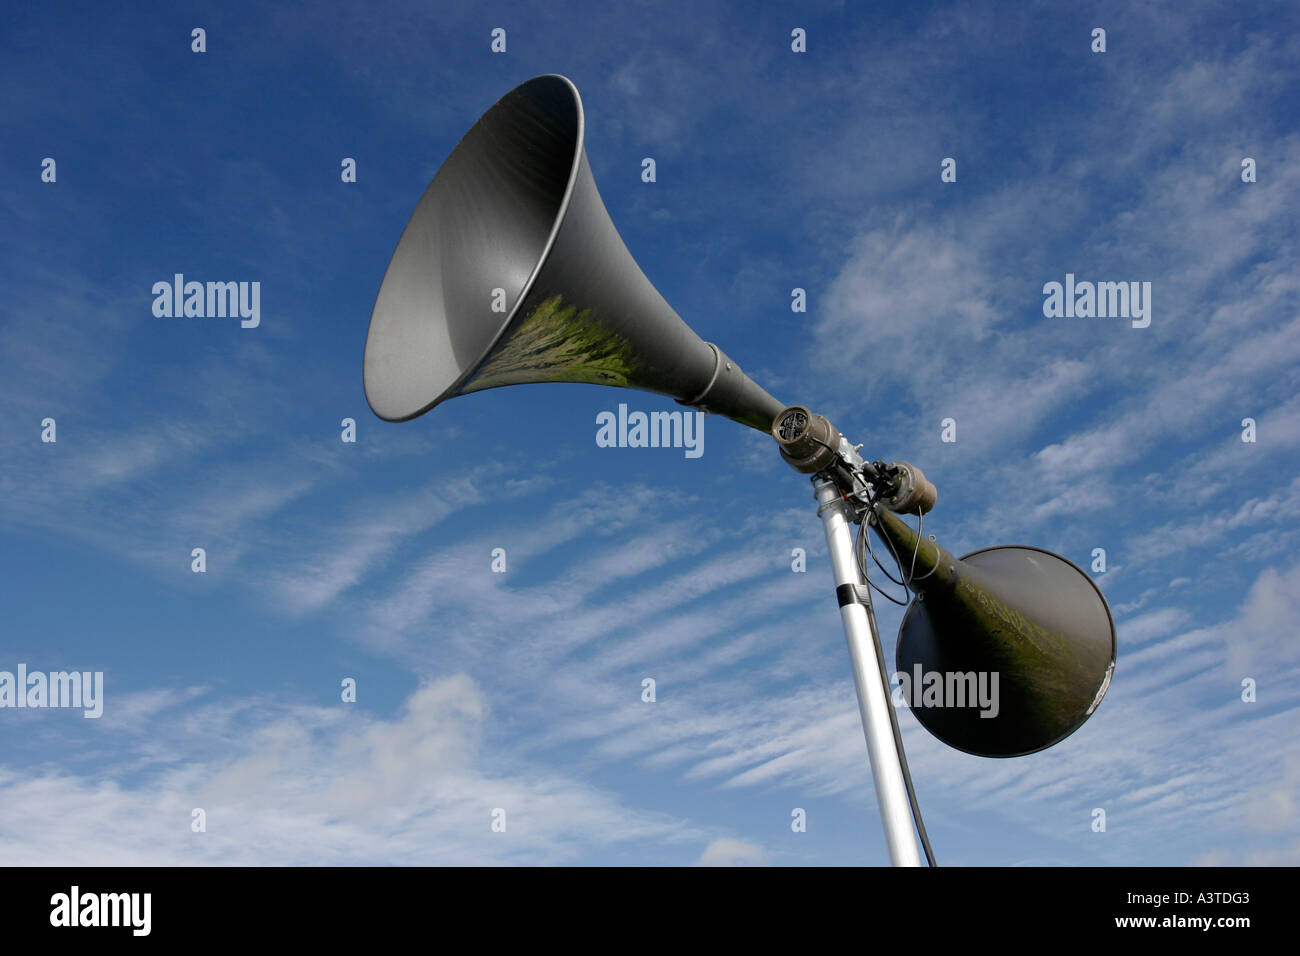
[510, 272]
[1005, 651]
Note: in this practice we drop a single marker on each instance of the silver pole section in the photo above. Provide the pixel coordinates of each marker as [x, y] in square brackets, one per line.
[860, 630]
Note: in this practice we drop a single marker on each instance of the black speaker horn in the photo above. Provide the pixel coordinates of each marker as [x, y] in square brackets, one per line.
[510, 272]
[1028, 616]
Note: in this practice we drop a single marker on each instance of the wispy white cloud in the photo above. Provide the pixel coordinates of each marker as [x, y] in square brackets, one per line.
[297, 785]
[728, 852]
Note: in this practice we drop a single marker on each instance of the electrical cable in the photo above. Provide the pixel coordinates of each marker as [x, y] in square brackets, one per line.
[883, 569]
[862, 569]
[920, 530]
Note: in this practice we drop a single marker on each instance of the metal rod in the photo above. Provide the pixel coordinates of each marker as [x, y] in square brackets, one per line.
[859, 620]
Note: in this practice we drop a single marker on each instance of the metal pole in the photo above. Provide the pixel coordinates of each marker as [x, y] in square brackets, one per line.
[860, 630]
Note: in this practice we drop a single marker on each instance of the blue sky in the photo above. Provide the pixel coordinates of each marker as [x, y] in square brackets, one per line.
[522, 690]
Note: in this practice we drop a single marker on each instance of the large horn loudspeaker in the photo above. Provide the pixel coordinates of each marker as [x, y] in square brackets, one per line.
[511, 272]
